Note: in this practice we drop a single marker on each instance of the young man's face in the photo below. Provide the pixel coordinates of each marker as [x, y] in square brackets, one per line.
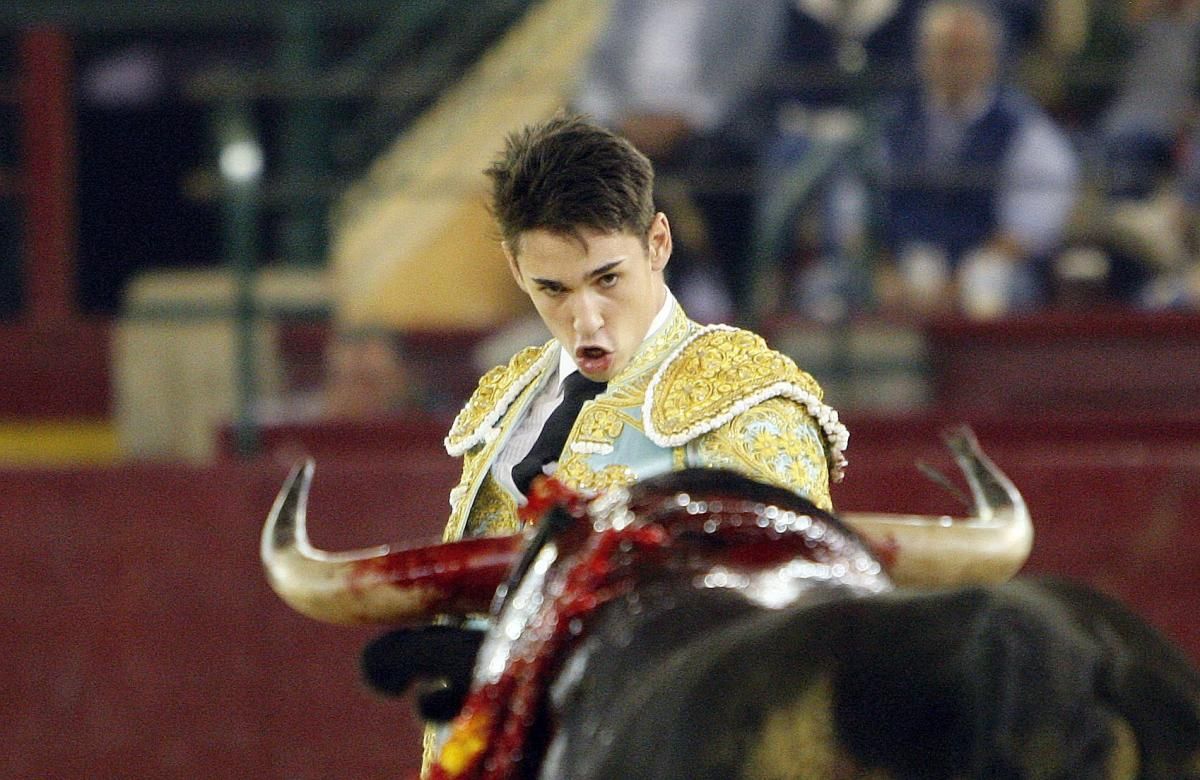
[597, 296]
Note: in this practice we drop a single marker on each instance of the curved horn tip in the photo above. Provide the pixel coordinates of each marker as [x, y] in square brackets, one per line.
[982, 474]
[285, 522]
[303, 469]
[990, 546]
[961, 439]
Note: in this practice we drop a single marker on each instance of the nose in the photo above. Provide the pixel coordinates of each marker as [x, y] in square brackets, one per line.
[586, 316]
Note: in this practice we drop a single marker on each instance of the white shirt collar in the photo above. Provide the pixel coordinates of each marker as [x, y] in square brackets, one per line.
[566, 362]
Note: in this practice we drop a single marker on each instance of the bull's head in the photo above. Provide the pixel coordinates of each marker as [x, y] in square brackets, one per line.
[1029, 678]
[409, 585]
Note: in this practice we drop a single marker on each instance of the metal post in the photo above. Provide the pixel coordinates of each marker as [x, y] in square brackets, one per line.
[303, 135]
[241, 165]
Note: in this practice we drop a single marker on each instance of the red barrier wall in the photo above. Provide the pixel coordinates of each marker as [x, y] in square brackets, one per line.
[142, 640]
[1115, 499]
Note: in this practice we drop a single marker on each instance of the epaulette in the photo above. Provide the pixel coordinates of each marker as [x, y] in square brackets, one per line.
[721, 372]
[497, 389]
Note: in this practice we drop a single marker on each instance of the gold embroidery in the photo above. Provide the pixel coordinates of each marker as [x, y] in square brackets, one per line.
[651, 354]
[477, 462]
[598, 424]
[474, 463]
[628, 389]
[492, 388]
[575, 472]
[628, 395]
[776, 441]
[494, 512]
[713, 374]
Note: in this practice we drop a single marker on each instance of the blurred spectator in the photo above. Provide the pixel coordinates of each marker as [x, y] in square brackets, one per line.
[680, 79]
[1189, 192]
[1074, 63]
[835, 53]
[1155, 97]
[843, 54]
[977, 182]
[1130, 244]
[833, 60]
[366, 377]
[1177, 284]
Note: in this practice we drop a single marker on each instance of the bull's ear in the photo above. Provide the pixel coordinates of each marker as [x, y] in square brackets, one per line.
[392, 662]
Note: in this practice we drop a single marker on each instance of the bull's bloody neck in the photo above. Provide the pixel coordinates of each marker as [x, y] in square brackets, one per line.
[770, 553]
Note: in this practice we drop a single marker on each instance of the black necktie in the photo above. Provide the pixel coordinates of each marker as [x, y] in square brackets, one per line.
[577, 388]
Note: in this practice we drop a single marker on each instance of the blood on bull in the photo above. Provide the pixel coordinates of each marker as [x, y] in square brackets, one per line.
[703, 625]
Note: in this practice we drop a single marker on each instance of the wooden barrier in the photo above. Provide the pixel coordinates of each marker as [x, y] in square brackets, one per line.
[1115, 360]
[1115, 499]
[143, 640]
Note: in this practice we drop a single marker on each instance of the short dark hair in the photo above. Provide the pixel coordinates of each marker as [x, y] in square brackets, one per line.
[567, 173]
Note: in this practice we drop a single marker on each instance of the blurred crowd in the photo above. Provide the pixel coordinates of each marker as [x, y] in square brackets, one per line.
[830, 158]
[818, 159]
[837, 159]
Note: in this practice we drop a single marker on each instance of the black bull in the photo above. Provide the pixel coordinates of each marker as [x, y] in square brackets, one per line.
[1032, 678]
[1021, 680]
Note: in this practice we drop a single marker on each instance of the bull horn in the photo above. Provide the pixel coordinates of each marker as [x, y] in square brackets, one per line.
[990, 546]
[376, 585]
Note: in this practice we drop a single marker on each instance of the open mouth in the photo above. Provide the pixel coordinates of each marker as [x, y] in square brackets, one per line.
[594, 362]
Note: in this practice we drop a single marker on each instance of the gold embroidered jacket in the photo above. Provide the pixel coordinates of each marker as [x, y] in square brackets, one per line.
[692, 395]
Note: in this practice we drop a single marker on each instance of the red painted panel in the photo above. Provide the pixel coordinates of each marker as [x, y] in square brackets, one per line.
[147, 643]
[56, 372]
[1116, 360]
[48, 146]
[1115, 500]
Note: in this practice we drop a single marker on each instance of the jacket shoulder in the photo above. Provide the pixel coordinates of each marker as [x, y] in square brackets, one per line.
[496, 391]
[720, 373]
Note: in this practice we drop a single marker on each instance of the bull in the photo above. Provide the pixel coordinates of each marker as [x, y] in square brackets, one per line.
[701, 625]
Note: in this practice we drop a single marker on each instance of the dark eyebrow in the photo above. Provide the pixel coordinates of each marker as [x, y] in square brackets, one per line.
[605, 269]
[554, 284]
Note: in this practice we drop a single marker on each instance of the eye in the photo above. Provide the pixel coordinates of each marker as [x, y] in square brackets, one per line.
[608, 280]
[550, 290]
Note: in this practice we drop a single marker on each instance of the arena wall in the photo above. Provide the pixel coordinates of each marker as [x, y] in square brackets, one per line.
[143, 641]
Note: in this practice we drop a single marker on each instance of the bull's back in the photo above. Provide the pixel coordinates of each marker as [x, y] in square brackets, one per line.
[1014, 681]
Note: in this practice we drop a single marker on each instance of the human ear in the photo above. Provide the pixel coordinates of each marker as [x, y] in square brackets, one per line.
[513, 267]
[659, 242]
